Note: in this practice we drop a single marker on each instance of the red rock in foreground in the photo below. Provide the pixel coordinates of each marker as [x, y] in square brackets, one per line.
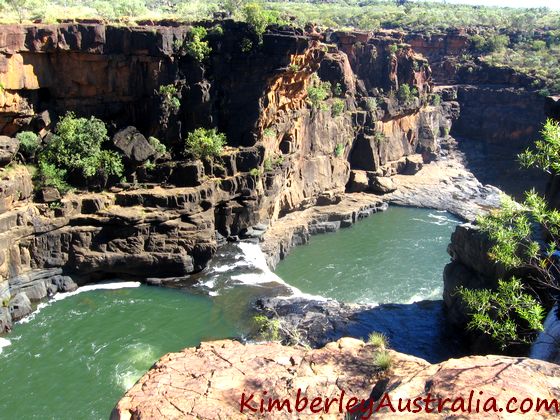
[208, 382]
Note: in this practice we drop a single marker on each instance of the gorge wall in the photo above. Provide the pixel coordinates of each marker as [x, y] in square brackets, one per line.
[283, 153]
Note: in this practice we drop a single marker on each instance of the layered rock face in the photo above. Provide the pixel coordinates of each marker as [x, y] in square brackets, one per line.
[284, 154]
[498, 112]
[213, 380]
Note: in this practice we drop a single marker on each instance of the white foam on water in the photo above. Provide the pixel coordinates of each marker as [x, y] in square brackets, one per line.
[224, 268]
[252, 256]
[88, 288]
[434, 294]
[137, 359]
[4, 343]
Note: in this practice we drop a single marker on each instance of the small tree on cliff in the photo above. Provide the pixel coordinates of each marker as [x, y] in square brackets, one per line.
[525, 240]
[76, 149]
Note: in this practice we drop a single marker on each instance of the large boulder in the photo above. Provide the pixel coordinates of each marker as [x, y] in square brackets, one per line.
[64, 283]
[381, 184]
[20, 306]
[358, 182]
[133, 144]
[8, 149]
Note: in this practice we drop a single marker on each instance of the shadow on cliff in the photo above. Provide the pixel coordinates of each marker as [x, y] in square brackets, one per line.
[498, 165]
[419, 329]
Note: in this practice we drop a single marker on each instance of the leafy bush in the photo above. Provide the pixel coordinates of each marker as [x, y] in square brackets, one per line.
[294, 68]
[257, 18]
[406, 94]
[379, 137]
[489, 43]
[271, 162]
[158, 146]
[317, 92]
[195, 46]
[255, 172]
[76, 148]
[205, 143]
[436, 99]
[29, 143]
[337, 107]
[269, 329]
[170, 102]
[337, 89]
[371, 104]
[48, 175]
[269, 132]
[246, 45]
[508, 315]
[546, 155]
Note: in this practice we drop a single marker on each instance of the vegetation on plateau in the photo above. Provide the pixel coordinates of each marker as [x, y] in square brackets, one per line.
[525, 238]
[205, 143]
[527, 40]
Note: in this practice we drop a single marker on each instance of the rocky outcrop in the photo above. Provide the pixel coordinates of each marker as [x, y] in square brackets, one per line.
[219, 379]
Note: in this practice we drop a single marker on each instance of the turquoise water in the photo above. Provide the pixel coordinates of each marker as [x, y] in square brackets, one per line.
[392, 257]
[77, 356]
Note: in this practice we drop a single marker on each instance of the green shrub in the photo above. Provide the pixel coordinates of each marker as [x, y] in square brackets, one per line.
[76, 147]
[371, 104]
[269, 132]
[379, 137]
[317, 92]
[195, 46]
[337, 89]
[294, 68]
[170, 98]
[255, 172]
[378, 339]
[269, 329]
[158, 146]
[337, 107]
[271, 162]
[339, 150]
[382, 360]
[546, 155]
[508, 315]
[48, 175]
[512, 315]
[393, 48]
[257, 18]
[29, 143]
[405, 94]
[205, 143]
[436, 99]
[216, 30]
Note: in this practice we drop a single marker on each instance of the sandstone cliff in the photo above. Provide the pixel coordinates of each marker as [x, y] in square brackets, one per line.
[284, 153]
[208, 382]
